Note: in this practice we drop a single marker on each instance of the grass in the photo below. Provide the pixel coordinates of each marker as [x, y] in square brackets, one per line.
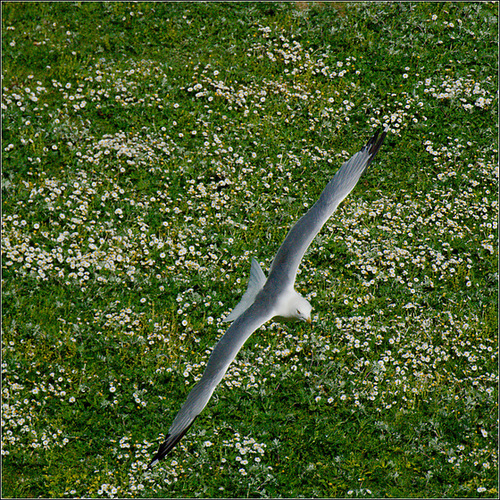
[151, 149]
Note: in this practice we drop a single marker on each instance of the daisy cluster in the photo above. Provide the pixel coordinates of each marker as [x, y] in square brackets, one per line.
[322, 114]
[469, 92]
[241, 456]
[297, 59]
[388, 249]
[26, 399]
[121, 88]
[79, 255]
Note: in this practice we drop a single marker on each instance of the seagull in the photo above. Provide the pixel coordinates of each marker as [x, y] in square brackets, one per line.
[274, 297]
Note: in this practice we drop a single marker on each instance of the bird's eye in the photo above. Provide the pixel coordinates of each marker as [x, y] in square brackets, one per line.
[298, 312]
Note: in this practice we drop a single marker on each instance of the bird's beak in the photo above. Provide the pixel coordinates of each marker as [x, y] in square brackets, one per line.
[309, 320]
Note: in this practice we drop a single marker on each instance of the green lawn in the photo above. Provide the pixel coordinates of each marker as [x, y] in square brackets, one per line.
[151, 149]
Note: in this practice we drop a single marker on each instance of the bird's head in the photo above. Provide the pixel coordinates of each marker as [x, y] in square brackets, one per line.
[302, 309]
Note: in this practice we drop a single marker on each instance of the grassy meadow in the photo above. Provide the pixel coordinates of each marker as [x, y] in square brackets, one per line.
[149, 150]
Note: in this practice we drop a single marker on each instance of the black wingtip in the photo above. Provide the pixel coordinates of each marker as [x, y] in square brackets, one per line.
[167, 445]
[165, 448]
[374, 144]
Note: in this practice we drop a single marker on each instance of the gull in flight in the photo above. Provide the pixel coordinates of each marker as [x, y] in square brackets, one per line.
[274, 297]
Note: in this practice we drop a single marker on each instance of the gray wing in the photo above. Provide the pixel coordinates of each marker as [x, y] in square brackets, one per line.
[286, 263]
[222, 356]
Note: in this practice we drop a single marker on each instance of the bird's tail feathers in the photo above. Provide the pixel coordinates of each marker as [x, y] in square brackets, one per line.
[255, 284]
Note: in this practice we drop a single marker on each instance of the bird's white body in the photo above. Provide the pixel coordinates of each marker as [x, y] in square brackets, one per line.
[289, 305]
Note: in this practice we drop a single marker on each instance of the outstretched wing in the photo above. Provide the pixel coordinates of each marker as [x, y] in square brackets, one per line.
[222, 356]
[286, 263]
